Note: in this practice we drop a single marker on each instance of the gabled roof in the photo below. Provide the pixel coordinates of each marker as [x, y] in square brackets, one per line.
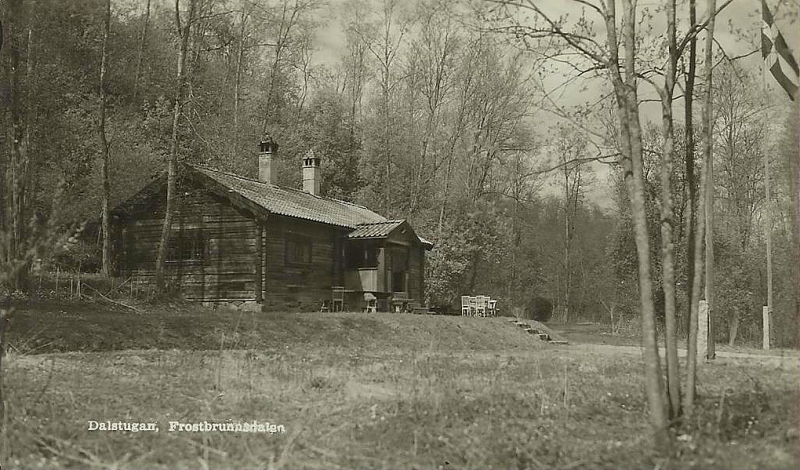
[263, 199]
[383, 230]
[375, 230]
[293, 202]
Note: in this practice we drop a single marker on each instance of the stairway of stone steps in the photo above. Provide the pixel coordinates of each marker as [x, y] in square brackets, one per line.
[533, 331]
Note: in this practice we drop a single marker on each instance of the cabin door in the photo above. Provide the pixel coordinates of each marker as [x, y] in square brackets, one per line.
[398, 263]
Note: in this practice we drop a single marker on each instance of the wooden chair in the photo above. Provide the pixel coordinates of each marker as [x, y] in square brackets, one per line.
[481, 302]
[493, 307]
[473, 305]
[326, 307]
[371, 303]
[465, 306]
[338, 299]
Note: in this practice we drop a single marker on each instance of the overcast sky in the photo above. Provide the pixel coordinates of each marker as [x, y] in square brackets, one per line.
[737, 31]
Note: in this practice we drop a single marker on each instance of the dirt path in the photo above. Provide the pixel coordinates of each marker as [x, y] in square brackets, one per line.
[777, 358]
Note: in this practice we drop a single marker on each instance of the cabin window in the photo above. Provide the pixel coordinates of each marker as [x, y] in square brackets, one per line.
[186, 245]
[361, 254]
[298, 250]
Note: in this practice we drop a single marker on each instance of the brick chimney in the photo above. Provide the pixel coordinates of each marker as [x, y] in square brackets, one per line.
[311, 173]
[267, 149]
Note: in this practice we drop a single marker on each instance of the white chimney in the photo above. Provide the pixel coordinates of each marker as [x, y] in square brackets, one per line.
[311, 173]
[267, 149]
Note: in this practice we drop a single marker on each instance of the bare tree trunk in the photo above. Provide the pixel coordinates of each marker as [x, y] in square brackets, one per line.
[567, 242]
[630, 130]
[691, 204]
[703, 230]
[696, 282]
[285, 26]
[708, 144]
[238, 79]
[668, 221]
[105, 146]
[17, 182]
[734, 327]
[184, 32]
[142, 42]
[9, 230]
[446, 194]
[28, 190]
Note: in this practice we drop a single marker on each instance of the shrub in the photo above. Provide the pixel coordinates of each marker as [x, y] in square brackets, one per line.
[539, 309]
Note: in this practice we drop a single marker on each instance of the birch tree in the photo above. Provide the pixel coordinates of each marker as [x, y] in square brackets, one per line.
[142, 47]
[184, 29]
[105, 145]
[619, 57]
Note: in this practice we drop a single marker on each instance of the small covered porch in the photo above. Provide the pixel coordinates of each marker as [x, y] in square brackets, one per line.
[386, 260]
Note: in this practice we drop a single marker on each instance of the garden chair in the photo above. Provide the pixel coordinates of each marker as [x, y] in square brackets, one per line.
[338, 299]
[465, 306]
[371, 303]
[473, 305]
[493, 307]
[481, 303]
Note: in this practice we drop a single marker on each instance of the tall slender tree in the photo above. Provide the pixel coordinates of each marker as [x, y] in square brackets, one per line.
[105, 145]
[142, 45]
[184, 29]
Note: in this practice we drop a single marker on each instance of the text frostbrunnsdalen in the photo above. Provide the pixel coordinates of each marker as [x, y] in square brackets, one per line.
[205, 426]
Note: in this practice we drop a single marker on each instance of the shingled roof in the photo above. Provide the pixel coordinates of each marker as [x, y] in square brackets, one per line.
[293, 202]
[375, 230]
[382, 230]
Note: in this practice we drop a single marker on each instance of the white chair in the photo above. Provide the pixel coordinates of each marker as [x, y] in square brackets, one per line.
[481, 303]
[465, 306]
[492, 307]
[473, 305]
[371, 303]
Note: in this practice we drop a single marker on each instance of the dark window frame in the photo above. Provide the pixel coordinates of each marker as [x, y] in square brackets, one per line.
[298, 250]
[187, 246]
[361, 254]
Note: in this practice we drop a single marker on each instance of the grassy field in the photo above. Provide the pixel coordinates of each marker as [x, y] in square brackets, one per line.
[363, 391]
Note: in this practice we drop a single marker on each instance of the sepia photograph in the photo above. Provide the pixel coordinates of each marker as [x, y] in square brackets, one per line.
[400, 234]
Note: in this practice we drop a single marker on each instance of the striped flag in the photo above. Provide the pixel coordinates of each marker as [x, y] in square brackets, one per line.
[778, 58]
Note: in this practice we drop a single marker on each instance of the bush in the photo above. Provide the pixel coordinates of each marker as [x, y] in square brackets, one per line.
[78, 256]
[539, 309]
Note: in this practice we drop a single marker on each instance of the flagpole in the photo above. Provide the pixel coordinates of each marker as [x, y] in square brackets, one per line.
[768, 229]
[709, 291]
[767, 323]
[709, 241]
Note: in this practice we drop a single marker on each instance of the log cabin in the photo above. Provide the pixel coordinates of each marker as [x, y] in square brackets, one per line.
[252, 242]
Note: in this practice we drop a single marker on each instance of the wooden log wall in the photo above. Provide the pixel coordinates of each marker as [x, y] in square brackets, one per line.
[416, 273]
[226, 271]
[416, 267]
[298, 286]
[229, 269]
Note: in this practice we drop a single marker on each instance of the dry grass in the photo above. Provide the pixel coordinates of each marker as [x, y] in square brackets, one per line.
[63, 327]
[489, 397]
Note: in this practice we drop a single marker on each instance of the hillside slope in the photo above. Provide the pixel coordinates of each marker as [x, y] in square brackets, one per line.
[57, 327]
